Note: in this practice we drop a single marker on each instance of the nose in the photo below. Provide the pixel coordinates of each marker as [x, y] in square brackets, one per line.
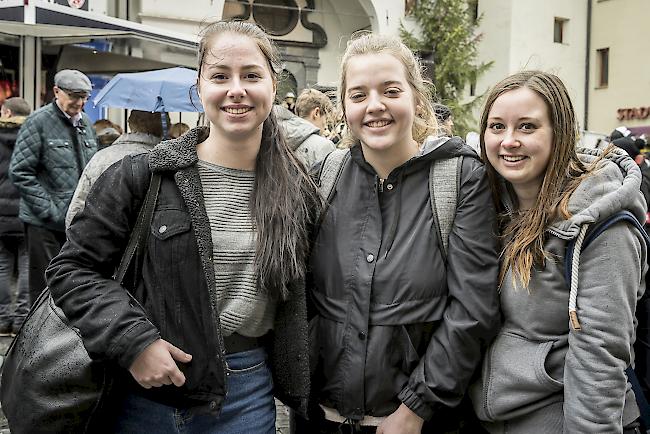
[236, 89]
[509, 140]
[375, 103]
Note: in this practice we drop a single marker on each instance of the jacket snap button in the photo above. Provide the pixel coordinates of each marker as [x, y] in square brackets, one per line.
[213, 405]
[370, 257]
[389, 187]
[362, 336]
[162, 229]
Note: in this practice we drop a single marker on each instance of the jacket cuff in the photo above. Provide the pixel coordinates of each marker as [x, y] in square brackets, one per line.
[416, 404]
[132, 343]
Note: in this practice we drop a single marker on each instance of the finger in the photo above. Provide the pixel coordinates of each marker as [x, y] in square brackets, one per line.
[178, 354]
[177, 378]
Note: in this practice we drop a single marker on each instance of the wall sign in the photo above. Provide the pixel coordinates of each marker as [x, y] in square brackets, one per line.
[624, 114]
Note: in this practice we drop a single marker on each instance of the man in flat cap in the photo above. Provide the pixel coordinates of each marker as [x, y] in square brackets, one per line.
[52, 149]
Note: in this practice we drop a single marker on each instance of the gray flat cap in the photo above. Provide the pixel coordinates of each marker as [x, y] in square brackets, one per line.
[72, 80]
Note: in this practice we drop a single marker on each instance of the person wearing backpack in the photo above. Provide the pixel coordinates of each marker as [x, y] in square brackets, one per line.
[558, 363]
[404, 264]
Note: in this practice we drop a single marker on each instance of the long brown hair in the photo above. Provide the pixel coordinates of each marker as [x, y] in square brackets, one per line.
[284, 197]
[425, 123]
[525, 234]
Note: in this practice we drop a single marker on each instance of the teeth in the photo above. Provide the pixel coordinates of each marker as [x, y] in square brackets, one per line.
[512, 159]
[237, 111]
[378, 124]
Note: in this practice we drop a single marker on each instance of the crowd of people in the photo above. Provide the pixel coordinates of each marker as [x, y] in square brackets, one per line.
[376, 274]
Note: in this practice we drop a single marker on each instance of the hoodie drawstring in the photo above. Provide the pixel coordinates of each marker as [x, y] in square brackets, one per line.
[575, 265]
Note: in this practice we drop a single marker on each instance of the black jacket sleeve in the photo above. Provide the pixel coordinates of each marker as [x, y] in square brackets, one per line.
[471, 318]
[112, 324]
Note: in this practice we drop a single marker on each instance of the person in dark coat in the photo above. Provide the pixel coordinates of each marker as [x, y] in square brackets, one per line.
[52, 148]
[13, 252]
[217, 322]
[399, 326]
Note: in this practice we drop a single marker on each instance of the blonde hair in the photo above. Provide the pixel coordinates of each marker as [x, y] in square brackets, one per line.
[309, 99]
[362, 43]
[525, 234]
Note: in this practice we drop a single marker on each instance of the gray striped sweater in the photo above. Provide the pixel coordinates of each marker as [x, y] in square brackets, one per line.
[242, 308]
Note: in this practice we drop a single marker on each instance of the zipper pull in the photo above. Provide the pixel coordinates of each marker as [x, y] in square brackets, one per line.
[380, 186]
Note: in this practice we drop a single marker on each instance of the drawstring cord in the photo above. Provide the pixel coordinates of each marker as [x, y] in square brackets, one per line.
[575, 265]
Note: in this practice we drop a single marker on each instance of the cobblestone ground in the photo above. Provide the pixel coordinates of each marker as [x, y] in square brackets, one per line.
[4, 344]
[282, 418]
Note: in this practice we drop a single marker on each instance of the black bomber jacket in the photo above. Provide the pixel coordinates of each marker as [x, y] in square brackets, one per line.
[394, 323]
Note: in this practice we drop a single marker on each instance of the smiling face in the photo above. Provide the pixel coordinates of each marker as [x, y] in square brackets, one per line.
[236, 88]
[379, 102]
[518, 140]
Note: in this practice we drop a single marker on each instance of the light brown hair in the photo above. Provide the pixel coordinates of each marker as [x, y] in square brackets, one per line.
[425, 123]
[309, 99]
[18, 106]
[525, 234]
[178, 129]
[146, 122]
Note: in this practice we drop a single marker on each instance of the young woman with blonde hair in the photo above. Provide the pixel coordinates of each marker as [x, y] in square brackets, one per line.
[558, 362]
[399, 324]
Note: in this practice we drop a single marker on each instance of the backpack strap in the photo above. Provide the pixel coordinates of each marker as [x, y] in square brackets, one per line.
[623, 216]
[444, 182]
[330, 172]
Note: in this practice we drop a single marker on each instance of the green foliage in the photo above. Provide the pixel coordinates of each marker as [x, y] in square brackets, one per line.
[447, 42]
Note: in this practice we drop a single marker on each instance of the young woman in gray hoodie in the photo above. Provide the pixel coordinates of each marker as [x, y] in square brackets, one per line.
[558, 363]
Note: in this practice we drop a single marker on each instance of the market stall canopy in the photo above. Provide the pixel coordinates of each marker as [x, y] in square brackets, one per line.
[164, 90]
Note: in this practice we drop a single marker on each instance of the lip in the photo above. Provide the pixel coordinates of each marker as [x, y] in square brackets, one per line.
[516, 163]
[237, 109]
[386, 123]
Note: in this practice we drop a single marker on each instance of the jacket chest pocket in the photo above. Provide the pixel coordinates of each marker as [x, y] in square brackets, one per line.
[173, 240]
[59, 153]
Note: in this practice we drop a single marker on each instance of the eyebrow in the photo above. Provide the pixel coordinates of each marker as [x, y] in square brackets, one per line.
[385, 83]
[222, 66]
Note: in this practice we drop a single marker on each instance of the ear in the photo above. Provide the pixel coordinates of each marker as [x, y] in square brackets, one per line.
[315, 113]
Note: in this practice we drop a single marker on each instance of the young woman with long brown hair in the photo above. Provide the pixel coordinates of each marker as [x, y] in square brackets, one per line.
[558, 362]
[222, 325]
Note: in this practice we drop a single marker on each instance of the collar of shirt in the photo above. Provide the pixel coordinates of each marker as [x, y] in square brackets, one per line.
[76, 119]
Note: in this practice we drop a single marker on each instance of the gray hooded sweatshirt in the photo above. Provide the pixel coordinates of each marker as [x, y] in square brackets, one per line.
[540, 375]
[303, 137]
[126, 144]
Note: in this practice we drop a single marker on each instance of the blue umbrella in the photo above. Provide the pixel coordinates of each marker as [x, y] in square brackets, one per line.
[163, 90]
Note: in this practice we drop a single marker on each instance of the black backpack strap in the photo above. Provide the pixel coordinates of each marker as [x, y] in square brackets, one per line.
[628, 217]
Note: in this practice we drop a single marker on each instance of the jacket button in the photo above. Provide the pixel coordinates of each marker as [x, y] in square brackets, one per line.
[213, 405]
[162, 229]
[370, 257]
[362, 336]
[389, 187]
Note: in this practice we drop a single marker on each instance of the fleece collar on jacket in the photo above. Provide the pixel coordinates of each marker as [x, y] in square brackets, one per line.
[12, 122]
[613, 187]
[176, 154]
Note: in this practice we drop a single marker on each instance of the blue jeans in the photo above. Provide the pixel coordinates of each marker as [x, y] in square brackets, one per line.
[249, 407]
[13, 262]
